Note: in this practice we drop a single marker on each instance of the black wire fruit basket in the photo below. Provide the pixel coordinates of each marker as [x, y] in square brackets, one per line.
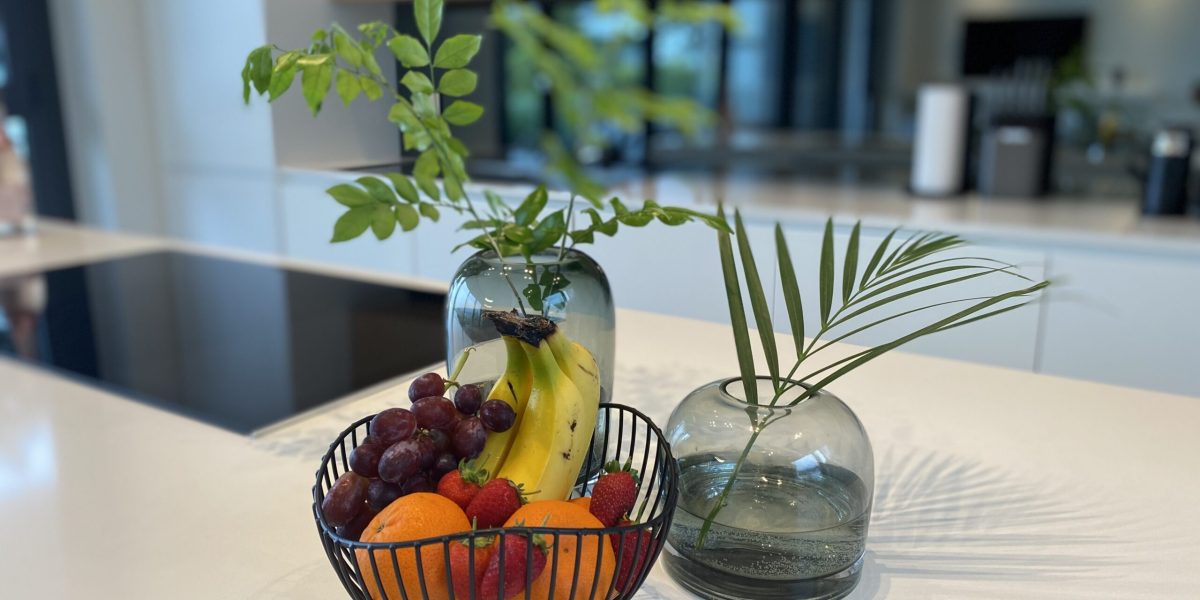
[628, 437]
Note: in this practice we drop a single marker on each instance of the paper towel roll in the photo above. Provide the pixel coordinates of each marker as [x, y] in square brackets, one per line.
[940, 143]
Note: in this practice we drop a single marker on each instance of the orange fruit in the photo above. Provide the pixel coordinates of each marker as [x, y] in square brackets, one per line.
[589, 548]
[585, 502]
[412, 517]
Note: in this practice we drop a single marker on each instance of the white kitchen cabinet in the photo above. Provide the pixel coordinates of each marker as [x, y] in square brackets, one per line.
[1128, 319]
[307, 215]
[674, 270]
[1008, 340]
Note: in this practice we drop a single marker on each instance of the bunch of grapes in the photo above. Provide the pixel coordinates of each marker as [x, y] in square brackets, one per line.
[409, 450]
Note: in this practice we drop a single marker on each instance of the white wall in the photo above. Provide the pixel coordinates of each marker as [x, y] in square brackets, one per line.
[160, 139]
[107, 106]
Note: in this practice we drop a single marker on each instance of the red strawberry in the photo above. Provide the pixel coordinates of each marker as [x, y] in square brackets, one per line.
[633, 556]
[460, 563]
[516, 568]
[614, 494]
[461, 484]
[495, 503]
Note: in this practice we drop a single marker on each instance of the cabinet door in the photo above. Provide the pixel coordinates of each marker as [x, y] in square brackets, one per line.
[1006, 340]
[1125, 319]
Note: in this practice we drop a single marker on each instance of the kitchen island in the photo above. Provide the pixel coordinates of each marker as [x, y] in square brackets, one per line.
[990, 482]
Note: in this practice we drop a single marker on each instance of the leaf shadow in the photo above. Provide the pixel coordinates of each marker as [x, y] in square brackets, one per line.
[939, 516]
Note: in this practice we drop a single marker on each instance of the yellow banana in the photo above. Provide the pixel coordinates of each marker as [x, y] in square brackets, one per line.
[556, 418]
[580, 365]
[512, 388]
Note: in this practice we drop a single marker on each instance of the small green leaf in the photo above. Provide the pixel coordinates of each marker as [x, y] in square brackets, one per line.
[428, 15]
[314, 60]
[548, 231]
[517, 234]
[349, 195]
[737, 314]
[461, 112]
[758, 300]
[404, 187]
[417, 82]
[791, 290]
[458, 82]
[407, 216]
[496, 204]
[409, 51]
[424, 106]
[850, 264]
[261, 66]
[283, 75]
[401, 114]
[353, 223]
[533, 294]
[347, 85]
[457, 52]
[452, 186]
[370, 87]
[424, 171]
[877, 256]
[378, 190]
[826, 279]
[347, 49]
[430, 211]
[533, 204]
[318, 36]
[458, 147]
[370, 63]
[315, 82]
[383, 222]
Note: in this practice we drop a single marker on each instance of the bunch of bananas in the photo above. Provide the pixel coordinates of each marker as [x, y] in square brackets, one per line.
[553, 384]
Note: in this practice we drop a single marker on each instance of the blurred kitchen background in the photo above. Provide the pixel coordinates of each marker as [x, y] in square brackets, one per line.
[1058, 134]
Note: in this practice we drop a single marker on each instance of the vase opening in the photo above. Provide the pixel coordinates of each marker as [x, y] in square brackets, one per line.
[734, 389]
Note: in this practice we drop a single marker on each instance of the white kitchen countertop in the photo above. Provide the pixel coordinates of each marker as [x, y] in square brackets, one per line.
[991, 483]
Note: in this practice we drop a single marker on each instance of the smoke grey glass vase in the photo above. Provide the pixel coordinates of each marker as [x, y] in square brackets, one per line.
[570, 289]
[793, 519]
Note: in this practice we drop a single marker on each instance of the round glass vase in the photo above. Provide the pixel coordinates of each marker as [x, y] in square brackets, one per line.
[566, 286]
[794, 484]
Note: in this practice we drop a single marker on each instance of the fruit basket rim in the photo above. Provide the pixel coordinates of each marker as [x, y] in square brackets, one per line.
[671, 477]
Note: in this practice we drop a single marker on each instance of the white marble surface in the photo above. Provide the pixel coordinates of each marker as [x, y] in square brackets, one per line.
[991, 483]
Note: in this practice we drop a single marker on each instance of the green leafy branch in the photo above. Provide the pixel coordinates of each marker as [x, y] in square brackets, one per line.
[433, 69]
[866, 298]
[589, 98]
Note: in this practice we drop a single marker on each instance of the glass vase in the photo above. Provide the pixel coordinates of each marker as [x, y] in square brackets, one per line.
[793, 483]
[566, 286]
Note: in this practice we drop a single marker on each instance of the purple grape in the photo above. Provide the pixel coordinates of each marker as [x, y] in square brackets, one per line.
[393, 425]
[428, 451]
[468, 437]
[381, 493]
[353, 530]
[468, 398]
[441, 441]
[497, 415]
[429, 384]
[400, 462]
[434, 412]
[445, 463]
[364, 459]
[345, 499]
[420, 483]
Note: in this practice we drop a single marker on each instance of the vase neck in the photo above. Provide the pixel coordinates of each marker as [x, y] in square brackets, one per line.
[734, 391]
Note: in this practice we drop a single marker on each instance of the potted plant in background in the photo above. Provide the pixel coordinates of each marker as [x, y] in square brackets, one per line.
[776, 474]
[527, 257]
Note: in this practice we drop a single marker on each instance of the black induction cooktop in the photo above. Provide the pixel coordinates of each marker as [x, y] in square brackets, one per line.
[237, 344]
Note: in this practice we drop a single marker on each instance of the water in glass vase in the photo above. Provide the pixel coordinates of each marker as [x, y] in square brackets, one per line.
[786, 531]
